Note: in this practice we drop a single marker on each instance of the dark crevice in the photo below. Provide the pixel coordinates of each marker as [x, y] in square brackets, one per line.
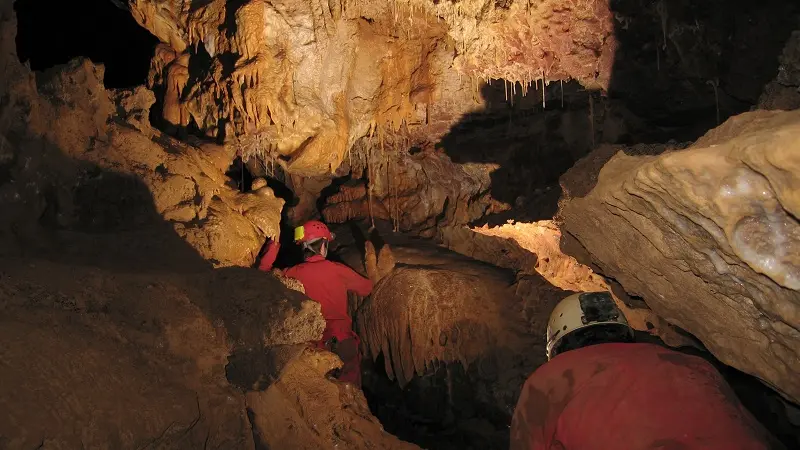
[240, 175]
[333, 189]
[436, 411]
[53, 32]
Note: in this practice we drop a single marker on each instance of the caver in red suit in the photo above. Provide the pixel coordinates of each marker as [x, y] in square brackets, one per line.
[601, 391]
[327, 282]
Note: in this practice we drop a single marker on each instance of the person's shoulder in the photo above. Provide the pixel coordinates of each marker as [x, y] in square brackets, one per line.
[338, 264]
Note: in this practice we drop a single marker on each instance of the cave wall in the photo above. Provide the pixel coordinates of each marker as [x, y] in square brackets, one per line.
[104, 168]
[268, 75]
[484, 83]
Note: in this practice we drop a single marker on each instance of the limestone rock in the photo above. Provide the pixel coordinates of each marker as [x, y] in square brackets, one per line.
[110, 359]
[535, 250]
[59, 390]
[415, 193]
[140, 359]
[303, 410]
[290, 283]
[93, 157]
[310, 79]
[119, 335]
[133, 106]
[709, 238]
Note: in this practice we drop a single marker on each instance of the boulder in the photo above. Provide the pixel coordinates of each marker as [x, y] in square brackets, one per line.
[709, 238]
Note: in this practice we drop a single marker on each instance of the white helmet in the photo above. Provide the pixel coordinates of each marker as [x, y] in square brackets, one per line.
[580, 311]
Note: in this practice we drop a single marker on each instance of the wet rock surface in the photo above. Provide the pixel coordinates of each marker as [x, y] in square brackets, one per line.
[707, 236]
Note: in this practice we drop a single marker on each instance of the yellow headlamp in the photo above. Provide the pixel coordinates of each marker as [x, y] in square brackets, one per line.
[299, 234]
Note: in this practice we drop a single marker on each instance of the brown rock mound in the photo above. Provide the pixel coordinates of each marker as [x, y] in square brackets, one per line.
[436, 307]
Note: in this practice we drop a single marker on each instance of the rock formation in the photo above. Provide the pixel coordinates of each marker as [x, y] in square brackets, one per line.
[128, 360]
[708, 237]
[102, 150]
[304, 81]
[408, 112]
[301, 412]
[416, 193]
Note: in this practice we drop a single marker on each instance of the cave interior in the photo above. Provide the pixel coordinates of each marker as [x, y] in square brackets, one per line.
[150, 149]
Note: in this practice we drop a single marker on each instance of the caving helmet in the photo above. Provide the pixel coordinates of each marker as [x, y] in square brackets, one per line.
[310, 233]
[585, 319]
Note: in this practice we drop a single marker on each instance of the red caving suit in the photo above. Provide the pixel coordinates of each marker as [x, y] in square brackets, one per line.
[327, 283]
[632, 397]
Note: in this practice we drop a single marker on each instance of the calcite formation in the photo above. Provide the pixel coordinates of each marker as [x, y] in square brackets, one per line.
[302, 81]
[431, 307]
[416, 193]
[709, 238]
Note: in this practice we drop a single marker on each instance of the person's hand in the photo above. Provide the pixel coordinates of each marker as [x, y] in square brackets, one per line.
[266, 246]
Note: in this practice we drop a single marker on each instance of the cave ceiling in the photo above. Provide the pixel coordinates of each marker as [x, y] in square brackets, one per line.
[299, 81]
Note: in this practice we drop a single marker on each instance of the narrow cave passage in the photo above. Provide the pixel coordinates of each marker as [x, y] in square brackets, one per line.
[437, 411]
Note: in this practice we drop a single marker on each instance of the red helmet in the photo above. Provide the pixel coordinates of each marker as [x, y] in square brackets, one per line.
[311, 231]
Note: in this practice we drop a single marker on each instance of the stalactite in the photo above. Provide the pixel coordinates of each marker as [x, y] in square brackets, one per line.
[591, 117]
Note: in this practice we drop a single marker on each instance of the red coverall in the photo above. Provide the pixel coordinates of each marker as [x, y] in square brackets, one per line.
[328, 282]
[632, 396]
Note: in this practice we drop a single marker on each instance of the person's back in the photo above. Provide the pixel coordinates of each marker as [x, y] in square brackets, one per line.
[600, 391]
[631, 396]
[328, 282]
